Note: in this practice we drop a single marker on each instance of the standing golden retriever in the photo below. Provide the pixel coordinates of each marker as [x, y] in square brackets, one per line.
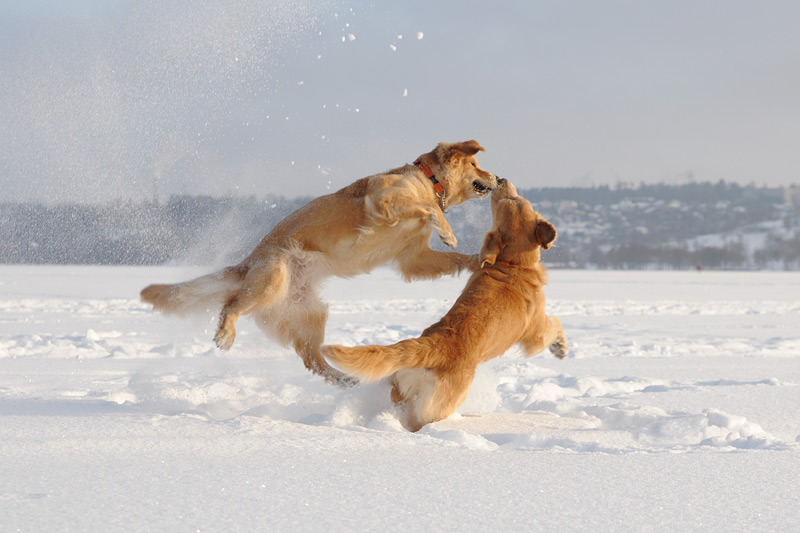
[501, 305]
[385, 218]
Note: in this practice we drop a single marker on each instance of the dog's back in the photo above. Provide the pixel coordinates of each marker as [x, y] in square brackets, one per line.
[489, 317]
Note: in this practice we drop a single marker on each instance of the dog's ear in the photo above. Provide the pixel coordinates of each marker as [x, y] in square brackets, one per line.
[544, 233]
[464, 149]
[469, 147]
[492, 246]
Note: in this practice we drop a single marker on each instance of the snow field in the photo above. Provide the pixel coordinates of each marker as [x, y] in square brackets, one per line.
[681, 389]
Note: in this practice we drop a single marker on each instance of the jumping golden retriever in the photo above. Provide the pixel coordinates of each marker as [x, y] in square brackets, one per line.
[385, 218]
[501, 305]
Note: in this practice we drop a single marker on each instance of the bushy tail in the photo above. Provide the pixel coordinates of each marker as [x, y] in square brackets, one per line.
[372, 363]
[197, 295]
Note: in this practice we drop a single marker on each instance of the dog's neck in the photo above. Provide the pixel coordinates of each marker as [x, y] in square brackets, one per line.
[437, 186]
[522, 262]
[534, 273]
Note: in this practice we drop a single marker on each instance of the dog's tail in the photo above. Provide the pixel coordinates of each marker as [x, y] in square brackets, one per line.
[372, 363]
[197, 295]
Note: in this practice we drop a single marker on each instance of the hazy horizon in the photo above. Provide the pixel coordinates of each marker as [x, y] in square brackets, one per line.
[117, 100]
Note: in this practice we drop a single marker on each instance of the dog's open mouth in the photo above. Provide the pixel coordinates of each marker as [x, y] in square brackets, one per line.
[480, 188]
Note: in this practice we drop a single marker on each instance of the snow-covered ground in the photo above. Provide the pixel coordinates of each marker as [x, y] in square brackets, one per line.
[678, 409]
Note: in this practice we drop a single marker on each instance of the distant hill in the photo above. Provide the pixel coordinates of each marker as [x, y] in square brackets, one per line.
[707, 225]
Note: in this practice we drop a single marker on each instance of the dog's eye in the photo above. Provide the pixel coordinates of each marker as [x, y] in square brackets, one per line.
[473, 164]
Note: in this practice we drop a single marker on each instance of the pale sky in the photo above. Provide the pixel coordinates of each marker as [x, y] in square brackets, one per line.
[100, 98]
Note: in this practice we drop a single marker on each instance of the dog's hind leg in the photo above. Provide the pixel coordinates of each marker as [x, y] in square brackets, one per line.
[450, 392]
[427, 396]
[317, 364]
[263, 286]
[304, 328]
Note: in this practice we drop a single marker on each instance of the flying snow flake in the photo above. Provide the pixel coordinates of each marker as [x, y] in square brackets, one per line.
[351, 37]
[301, 83]
[400, 36]
[405, 92]
[393, 47]
[420, 35]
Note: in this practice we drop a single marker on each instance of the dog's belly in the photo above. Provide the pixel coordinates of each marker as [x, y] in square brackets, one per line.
[307, 269]
[378, 246]
[300, 304]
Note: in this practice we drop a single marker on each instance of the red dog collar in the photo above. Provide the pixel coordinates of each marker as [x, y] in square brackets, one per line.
[437, 186]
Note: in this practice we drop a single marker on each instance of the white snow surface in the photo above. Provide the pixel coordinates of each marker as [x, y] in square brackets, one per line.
[678, 409]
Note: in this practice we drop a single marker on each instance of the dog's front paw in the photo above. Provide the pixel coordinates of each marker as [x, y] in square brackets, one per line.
[560, 348]
[224, 338]
[449, 239]
[472, 263]
[443, 229]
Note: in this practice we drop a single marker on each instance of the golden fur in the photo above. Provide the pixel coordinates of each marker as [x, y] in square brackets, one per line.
[501, 305]
[385, 218]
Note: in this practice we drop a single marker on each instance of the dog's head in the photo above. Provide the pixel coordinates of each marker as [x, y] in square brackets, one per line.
[518, 232]
[456, 168]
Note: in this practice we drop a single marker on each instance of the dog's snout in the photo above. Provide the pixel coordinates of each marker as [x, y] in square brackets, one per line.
[501, 182]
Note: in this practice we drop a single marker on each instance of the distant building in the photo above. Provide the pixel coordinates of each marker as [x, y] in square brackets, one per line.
[791, 195]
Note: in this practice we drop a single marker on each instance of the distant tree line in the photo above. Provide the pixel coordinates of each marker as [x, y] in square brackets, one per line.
[693, 192]
[646, 226]
[636, 255]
